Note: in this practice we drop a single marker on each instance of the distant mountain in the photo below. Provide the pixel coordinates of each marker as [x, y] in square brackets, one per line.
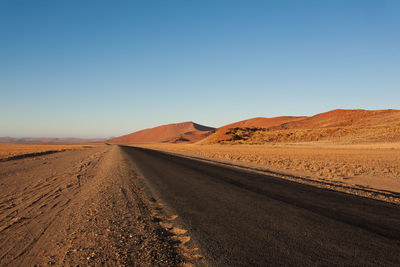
[49, 140]
[176, 132]
[337, 125]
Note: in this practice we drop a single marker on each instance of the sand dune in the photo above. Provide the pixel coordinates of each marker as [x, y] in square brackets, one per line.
[341, 117]
[176, 132]
[343, 126]
[350, 126]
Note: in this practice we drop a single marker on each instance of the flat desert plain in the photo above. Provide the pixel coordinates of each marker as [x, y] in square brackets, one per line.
[9, 151]
[99, 204]
[371, 170]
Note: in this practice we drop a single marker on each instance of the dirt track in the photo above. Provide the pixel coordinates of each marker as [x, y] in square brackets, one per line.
[78, 208]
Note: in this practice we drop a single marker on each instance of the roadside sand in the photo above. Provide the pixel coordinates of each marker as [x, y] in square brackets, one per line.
[81, 207]
[367, 167]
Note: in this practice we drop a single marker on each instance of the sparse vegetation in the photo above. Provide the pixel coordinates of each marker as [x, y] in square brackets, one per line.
[254, 135]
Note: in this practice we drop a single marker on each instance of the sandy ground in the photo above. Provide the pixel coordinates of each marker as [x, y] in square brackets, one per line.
[88, 206]
[81, 207]
[10, 151]
[371, 170]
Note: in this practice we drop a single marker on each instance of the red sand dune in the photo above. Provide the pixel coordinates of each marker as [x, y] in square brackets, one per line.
[192, 132]
[176, 132]
[341, 118]
[356, 119]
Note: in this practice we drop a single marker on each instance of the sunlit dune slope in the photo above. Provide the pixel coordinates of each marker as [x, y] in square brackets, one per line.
[337, 125]
[176, 132]
[342, 118]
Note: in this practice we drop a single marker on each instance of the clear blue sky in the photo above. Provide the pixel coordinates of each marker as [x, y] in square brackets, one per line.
[106, 68]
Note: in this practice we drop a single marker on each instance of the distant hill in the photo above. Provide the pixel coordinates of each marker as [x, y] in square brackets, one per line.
[48, 140]
[336, 125]
[221, 133]
[176, 132]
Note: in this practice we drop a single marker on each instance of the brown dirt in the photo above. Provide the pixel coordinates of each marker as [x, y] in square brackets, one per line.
[81, 207]
[188, 131]
[371, 170]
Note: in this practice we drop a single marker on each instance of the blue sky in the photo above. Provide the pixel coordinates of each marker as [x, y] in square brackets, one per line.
[107, 68]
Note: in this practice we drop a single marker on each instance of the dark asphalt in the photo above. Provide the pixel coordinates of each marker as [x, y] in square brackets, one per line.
[241, 218]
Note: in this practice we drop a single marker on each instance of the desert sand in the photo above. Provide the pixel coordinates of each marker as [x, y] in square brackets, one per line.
[10, 151]
[44, 140]
[88, 206]
[83, 207]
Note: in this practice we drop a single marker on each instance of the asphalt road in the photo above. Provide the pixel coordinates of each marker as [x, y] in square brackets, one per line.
[240, 218]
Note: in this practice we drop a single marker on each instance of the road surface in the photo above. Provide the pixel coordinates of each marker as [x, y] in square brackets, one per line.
[240, 218]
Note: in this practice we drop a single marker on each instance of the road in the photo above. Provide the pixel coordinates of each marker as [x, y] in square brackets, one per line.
[241, 218]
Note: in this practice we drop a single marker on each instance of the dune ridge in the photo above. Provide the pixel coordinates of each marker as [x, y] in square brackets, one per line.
[351, 126]
[175, 132]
